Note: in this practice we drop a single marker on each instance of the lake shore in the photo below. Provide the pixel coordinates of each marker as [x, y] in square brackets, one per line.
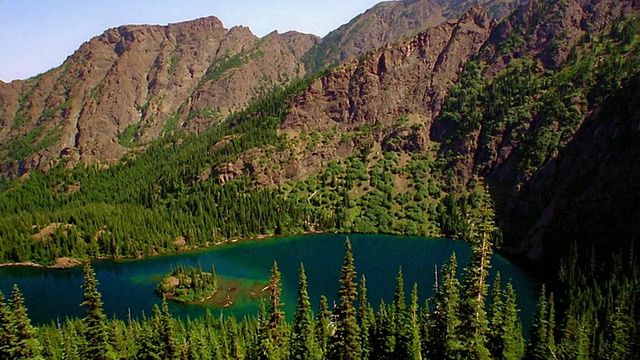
[68, 263]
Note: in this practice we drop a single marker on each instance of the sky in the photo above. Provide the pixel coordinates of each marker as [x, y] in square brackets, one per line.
[37, 35]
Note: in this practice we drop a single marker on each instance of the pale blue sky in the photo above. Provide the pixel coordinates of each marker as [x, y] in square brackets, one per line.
[37, 35]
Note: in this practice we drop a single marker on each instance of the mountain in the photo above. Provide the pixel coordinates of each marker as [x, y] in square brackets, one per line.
[132, 84]
[408, 138]
[135, 83]
[509, 102]
[519, 135]
[392, 21]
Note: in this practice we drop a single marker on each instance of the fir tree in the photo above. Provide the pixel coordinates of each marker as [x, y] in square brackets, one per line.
[324, 327]
[366, 320]
[495, 336]
[473, 327]
[96, 334]
[445, 342]
[7, 330]
[413, 334]
[273, 332]
[538, 347]
[302, 344]
[345, 344]
[400, 328]
[167, 339]
[617, 334]
[512, 340]
[26, 345]
[384, 336]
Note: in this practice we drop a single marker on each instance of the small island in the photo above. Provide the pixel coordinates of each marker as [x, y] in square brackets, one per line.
[191, 285]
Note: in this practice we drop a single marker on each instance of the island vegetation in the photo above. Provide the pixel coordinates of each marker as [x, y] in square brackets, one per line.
[188, 284]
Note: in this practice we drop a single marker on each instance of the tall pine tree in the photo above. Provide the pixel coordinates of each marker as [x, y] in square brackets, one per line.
[27, 345]
[273, 329]
[303, 344]
[96, 332]
[345, 344]
[445, 341]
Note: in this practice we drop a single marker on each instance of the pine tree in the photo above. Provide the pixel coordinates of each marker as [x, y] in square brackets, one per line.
[384, 336]
[273, 332]
[474, 326]
[400, 328]
[617, 334]
[345, 344]
[7, 330]
[413, 343]
[96, 335]
[496, 314]
[366, 320]
[302, 344]
[538, 347]
[27, 345]
[167, 340]
[551, 326]
[445, 342]
[324, 328]
[512, 340]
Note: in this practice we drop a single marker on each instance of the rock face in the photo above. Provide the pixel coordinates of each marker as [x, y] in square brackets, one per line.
[410, 77]
[589, 191]
[393, 21]
[368, 98]
[133, 84]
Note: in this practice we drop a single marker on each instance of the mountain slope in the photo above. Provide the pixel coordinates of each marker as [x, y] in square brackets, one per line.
[393, 21]
[401, 140]
[132, 84]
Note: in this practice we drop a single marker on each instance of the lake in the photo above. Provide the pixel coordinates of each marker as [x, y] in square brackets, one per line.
[127, 286]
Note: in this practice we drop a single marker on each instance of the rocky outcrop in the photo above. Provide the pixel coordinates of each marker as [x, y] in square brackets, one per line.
[393, 21]
[135, 83]
[548, 30]
[385, 99]
[410, 77]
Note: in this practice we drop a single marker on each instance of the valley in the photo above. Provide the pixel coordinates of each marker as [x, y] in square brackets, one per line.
[509, 125]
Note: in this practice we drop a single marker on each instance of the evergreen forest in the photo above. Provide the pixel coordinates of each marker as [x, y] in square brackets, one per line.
[173, 196]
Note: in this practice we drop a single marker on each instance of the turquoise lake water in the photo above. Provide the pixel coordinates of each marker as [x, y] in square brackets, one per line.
[127, 287]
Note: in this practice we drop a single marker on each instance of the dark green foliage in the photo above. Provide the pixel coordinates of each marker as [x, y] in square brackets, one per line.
[95, 324]
[17, 337]
[303, 338]
[193, 284]
[324, 327]
[444, 323]
[365, 318]
[7, 334]
[345, 344]
[273, 331]
[541, 342]
[504, 333]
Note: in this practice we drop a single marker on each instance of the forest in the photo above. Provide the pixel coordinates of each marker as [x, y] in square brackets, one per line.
[140, 206]
[465, 319]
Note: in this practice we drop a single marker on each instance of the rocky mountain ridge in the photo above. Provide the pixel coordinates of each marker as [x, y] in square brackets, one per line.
[392, 99]
[392, 21]
[132, 84]
[135, 83]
